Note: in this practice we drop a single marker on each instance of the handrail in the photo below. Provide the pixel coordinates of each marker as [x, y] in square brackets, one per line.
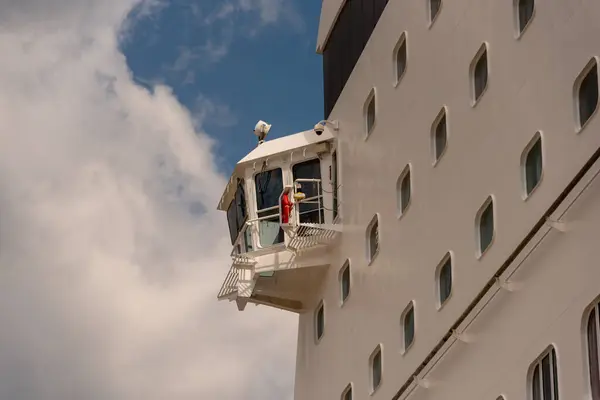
[414, 377]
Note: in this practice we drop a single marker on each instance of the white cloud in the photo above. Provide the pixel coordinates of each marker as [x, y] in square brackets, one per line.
[108, 271]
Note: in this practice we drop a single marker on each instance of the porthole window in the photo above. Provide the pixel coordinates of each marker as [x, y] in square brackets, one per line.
[370, 113]
[586, 89]
[479, 73]
[345, 281]
[444, 279]
[439, 135]
[524, 10]
[347, 393]
[320, 321]
[404, 190]
[485, 226]
[434, 9]
[408, 327]
[376, 367]
[373, 239]
[532, 164]
[400, 58]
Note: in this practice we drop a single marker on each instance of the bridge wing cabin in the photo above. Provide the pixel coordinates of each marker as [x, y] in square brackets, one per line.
[282, 212]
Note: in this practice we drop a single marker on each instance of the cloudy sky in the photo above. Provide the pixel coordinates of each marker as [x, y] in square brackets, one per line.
[119, 122]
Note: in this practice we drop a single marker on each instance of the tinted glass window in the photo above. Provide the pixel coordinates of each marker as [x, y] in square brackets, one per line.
[269, 185]
[588, 95]
[533, 166]
[480, 75]
[376, 369]
[594, 366]
[320, 322]
[440, 137]
[486, 227]
[525, 13]
[237, 213]
[445, 280]
[401, 60]
[544, 382]
[434, 8]
[310, 209]
[345, 281]
[409, 327]
[348, 38]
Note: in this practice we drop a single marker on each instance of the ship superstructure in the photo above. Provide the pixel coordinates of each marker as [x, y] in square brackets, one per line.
[448, 244]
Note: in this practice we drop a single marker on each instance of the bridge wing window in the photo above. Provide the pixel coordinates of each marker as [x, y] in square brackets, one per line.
[237, 215]
[311, 210]
[269, 185]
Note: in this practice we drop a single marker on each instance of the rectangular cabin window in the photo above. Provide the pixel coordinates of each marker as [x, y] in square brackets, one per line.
[237, 215]
[311, 208]
[269, 185]
[348, 38]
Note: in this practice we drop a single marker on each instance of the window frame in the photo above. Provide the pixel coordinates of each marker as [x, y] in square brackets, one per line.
[490, 200]
[592, 62]
[409, 307]
[483, 49]
[402, 43]
[371, 257]
[519, 32]
[371, 98]
[378, 350]
[402, 209]
[320, 307]
[442, 114]
[345, 267]
[449, 256]
[551, 352]
[537, 137]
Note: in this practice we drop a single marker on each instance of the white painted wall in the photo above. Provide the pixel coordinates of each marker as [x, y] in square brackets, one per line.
[530, 89]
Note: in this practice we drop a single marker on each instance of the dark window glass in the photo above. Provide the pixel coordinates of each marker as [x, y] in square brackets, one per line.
[409, 327]
[486, 227]
[405, 192]
[544, 382]
[480, 75]
[320, 322]
[376, 369]
[525, 13]
[434, 8]
[401, 59]
[440, 137]
[373, 238]
[311, 210]
[370, 114]
[349, 36]
[588, 95]
[348, 394]
[533, 166]
[237, 212]
[594, 367]
[345, 281]
[334, 163]
[269, 185]
[445, 280]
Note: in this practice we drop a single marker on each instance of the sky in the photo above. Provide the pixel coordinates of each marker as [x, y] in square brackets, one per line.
[232, 63]
[119, 123]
